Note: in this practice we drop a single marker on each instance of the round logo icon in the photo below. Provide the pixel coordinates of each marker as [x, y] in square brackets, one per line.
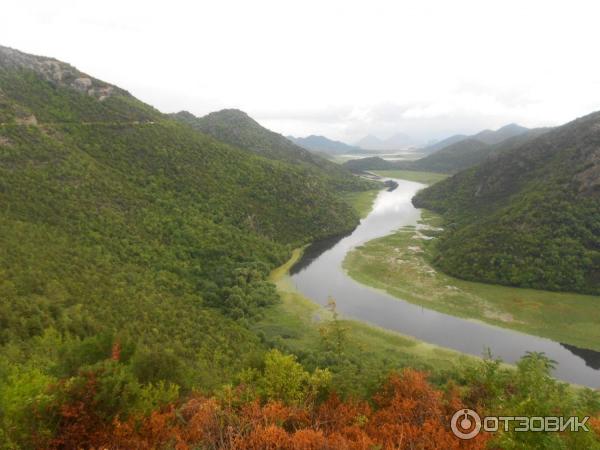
[465, 424]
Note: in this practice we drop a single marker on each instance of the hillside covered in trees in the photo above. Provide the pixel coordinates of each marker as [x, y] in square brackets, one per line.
[529, 216]
[120, 224]
[236, 128]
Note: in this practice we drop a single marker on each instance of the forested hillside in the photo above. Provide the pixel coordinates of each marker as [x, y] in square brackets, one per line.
[470, 152]
[123, 229]
[529, 216]
[238, 129]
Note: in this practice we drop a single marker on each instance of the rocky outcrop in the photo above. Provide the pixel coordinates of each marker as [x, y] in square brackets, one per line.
[589, 178]
[56, 72]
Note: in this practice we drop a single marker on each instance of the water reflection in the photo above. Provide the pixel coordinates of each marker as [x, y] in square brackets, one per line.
[314, 250]
[591, 357]
[319, 274]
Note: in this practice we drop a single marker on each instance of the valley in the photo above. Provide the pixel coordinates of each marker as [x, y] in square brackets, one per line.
[319, 276]
[172, 280]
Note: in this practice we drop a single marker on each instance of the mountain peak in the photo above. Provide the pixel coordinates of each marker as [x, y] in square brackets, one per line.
[185, 114]
[323, 144]
[232, 113]
[492, 137]
[512, 127]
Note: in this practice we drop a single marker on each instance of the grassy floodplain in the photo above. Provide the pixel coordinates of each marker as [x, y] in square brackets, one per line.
[361, 201]
[401, 265]
[413, 175]
[295, 324]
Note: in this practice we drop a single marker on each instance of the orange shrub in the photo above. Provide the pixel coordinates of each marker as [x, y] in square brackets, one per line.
[408, 413]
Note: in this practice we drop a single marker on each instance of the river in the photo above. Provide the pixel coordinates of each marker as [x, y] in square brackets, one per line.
[319, 274]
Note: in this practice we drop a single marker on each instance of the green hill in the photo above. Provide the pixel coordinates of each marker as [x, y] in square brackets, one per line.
[323, 145]
[528, 216]
[120, 224]
[470, 152]
[454, 157]
[238, 129]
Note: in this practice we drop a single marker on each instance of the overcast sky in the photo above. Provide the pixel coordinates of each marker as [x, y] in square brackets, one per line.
[341, 68]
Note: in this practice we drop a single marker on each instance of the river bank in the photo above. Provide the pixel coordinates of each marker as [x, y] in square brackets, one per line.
[400, 264]
[319, 276]
[295, 325]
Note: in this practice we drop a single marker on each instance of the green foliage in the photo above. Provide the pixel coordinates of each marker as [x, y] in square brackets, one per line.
[117, 389]
[285, 379]
[158, 365]
[153, 396]
[22, 389]
[531, 391]
[26, 93]
[334, 333]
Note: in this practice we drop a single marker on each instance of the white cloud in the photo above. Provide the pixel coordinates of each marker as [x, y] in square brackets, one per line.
[340, 67]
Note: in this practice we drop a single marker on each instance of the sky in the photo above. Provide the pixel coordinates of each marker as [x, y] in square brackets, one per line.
[339, 68]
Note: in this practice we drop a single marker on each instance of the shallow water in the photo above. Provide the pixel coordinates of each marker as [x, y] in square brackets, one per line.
[319, 274]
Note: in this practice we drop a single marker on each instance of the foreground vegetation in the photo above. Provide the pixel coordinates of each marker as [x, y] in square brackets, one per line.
[282, 406]
[349, 400]
[401, 264]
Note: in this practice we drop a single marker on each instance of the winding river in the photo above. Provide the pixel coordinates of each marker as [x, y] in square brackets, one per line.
[319, 274]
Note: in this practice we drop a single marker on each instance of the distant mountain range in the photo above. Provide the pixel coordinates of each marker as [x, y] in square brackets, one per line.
[398, 141]
[489, 137]
[444, 143]
[322, 144]
[401, 141]
[472, 151]
[456, 152]
[493, 137]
